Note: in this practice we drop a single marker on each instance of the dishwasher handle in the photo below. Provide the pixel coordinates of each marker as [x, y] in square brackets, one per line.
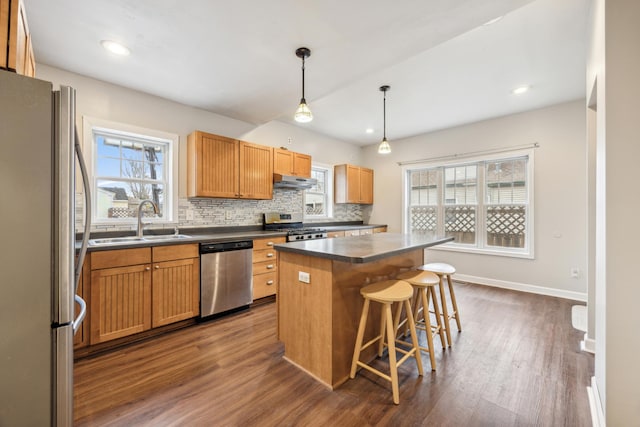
[208, 248]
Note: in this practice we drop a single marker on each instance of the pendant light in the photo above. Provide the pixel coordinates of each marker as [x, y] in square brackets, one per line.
[303, 113]
[384, 147]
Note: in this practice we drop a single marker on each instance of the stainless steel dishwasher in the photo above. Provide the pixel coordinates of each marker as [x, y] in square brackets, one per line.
[225, 276]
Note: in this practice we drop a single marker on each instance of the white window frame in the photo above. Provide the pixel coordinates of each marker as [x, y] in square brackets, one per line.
[328, 169]
[480, 247]
[89, 124]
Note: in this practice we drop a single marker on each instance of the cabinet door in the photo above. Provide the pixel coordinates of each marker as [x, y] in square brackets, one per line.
[366, 186]
[18, 37]
[212, 166]
[302, 165]
[176, 291]
[4, 32]
[81, 338]
[256, 171]
[120, 302]
[264, 285]
[283, 161]
[353, 184]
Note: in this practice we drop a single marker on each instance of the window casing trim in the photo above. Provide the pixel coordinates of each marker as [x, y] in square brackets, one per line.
[91, 124]
[328, 169]
[480, 247]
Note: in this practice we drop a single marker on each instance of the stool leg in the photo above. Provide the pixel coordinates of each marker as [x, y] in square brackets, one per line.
[436, 311]
[414, 337]
[359, 338]
[393, 366]
[427, 327]
[445, 313]
[456, 313]
[383, 325]
[396, 320]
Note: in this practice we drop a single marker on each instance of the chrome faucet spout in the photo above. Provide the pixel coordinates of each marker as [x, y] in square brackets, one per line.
[140, 223]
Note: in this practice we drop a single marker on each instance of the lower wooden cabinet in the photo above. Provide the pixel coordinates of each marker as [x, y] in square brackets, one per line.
[175, 284]
[265, 265]
[133, 290]
[81, 338]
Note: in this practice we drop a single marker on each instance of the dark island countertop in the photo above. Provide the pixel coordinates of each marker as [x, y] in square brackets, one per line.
[362, 249]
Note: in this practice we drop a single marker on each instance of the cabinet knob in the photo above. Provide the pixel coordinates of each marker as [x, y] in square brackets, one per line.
[269, 255]
[269, 282]
[147, 268]
[157, 267]
[270, 266]
[269, 243]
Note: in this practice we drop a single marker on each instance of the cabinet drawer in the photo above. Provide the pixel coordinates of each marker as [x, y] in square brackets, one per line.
[265, 255]
[332, 234]
[264, 267]
[173, 252]
[264, 285]
[267, 243]
[120, 258]
[352, 233]
[365, 231]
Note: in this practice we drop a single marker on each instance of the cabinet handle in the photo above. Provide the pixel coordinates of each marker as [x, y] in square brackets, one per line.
[270, 266]
[269, 243]
[157, 267]
[147, 268]
[269, 282]
[269, 255]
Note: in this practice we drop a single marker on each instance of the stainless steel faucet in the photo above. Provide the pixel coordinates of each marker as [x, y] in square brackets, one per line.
[155, 210]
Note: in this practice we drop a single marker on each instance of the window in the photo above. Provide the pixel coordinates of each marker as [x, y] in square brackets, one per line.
[128, 166]
[486, 205]
[317, 200]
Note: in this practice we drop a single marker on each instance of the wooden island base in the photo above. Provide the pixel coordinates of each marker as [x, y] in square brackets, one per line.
[318, 321]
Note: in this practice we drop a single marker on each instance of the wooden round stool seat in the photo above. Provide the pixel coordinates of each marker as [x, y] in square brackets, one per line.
[419, 278]
[386, 293]
[443, 270]
[438, 268]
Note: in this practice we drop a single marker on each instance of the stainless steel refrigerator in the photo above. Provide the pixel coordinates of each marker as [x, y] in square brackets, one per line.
[38, 276]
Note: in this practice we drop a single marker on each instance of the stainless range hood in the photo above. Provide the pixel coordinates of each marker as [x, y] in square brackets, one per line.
[293, 182]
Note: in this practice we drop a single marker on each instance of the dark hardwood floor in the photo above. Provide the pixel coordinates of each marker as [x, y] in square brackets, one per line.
[516, 363]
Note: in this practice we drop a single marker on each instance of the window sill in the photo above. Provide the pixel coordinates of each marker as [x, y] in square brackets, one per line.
[452, 247]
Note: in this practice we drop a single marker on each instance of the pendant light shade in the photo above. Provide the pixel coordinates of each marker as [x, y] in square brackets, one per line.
[303, 113]
[384, 147]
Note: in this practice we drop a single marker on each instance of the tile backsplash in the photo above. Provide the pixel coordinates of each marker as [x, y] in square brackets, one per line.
[234, 212]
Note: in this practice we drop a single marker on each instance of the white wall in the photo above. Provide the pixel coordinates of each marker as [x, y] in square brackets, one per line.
[106, 101]
[560, 193]
[614, 61]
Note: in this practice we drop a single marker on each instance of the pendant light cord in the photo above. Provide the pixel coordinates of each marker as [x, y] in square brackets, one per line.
[303, 78]
[384, 116]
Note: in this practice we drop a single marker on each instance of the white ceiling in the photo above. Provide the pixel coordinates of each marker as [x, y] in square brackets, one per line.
[236, 58]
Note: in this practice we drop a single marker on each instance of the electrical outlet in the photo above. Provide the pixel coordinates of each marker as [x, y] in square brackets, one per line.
[189, 215]
[228, 215]
[304, 277]
[575, 272]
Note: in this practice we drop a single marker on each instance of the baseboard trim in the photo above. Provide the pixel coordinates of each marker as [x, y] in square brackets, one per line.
[588, 344]
[595, 405]
[523, 287]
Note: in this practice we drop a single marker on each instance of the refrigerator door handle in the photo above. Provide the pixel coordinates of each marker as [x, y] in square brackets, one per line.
[83, 312]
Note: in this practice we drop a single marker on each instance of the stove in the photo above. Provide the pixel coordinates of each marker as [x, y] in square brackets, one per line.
[291, 223]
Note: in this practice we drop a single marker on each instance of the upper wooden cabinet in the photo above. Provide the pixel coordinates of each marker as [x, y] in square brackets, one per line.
[218, 166]
[353, 184]
[17, 52]
[287, 162]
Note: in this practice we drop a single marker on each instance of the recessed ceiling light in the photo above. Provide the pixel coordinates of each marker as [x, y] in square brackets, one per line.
[369, 130]
[115, 47]
[494, 20]
[520, 90]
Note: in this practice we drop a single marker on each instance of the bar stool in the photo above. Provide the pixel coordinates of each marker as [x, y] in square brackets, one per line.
[424, 283]
[386, 293]
[442, 269]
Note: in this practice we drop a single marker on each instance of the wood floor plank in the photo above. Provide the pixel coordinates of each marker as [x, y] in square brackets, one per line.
[517, 362]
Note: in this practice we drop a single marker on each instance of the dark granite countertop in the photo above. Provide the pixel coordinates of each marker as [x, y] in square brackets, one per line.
[368, 248]
[200, 235]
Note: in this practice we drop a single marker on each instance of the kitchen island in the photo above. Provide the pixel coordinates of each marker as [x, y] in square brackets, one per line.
[319, 302]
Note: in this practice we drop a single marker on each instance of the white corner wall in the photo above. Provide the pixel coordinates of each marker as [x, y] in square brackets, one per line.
[560, 194]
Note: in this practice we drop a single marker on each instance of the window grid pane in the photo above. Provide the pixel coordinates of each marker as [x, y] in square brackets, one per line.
[128, 170]
[316, 198]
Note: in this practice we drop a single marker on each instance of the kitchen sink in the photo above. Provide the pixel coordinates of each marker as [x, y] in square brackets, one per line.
[167, 237]
[136, 239]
